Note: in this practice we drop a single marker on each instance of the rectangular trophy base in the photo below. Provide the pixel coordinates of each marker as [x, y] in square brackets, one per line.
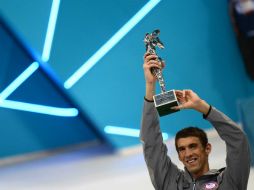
[164, 101]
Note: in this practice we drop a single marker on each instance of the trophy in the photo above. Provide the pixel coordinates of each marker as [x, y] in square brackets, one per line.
[167, 99]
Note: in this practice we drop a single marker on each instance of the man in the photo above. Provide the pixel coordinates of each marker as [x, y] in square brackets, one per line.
[191, 145]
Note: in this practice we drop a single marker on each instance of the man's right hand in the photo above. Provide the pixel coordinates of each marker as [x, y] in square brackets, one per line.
[150, 61]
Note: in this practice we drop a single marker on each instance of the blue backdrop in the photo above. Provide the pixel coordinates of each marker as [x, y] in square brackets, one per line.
[200, 52]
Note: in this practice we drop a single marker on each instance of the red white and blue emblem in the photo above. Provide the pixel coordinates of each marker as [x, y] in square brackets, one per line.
[211, 186]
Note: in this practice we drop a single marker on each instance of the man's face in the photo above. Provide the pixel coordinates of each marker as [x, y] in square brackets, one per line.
[193, 155]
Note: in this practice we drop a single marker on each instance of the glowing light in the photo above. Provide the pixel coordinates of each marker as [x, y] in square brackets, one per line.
[49, 110]
[42, 109]
[110, 43]
[50, 30]
[127, 131]
[19, 80]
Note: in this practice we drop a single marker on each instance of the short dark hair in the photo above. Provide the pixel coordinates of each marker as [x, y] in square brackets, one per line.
[192, 132]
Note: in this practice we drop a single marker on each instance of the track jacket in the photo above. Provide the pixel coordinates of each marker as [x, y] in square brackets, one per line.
[165, 175]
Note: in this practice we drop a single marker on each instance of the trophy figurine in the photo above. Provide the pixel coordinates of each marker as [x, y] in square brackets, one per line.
[167, 99]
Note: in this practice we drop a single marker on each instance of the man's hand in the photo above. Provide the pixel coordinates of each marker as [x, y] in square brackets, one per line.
[190, 100]
[150, 61]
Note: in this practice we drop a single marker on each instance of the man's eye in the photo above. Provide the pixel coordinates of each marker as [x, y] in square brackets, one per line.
[192, 146]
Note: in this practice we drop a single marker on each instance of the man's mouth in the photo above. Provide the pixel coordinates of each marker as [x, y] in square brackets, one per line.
[191, 161]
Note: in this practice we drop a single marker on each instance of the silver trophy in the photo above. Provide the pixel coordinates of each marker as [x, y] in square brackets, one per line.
[167, 99]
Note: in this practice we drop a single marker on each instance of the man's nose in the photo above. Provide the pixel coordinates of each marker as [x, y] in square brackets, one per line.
[188, 152]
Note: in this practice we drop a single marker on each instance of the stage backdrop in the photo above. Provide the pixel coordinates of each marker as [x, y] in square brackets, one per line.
[95, 48]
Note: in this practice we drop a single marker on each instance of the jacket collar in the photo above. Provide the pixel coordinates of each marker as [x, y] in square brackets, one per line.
[190, 179]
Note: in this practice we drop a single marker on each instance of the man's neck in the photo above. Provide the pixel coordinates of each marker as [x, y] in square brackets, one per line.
[200, 173]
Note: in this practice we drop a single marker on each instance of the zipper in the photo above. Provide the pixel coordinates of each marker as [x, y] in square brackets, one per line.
[194, 186]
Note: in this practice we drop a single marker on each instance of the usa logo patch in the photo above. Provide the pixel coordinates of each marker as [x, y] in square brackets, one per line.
[211, 186]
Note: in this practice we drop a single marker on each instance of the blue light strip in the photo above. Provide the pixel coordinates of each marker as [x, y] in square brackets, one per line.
[22, 106]
[110, 43]
[45, 55]
[19, 80]
[49, 110]
[50, 30]
[127, 131]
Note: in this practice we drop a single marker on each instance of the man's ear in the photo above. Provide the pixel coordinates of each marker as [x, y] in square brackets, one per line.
[208, 148]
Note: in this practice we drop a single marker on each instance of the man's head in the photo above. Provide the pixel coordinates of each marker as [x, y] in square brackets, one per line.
[193, 150]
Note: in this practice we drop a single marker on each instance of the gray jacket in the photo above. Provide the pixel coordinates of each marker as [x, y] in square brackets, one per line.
[165, 175]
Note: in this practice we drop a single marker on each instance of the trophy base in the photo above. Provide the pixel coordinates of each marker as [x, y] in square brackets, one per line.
[165, 101]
